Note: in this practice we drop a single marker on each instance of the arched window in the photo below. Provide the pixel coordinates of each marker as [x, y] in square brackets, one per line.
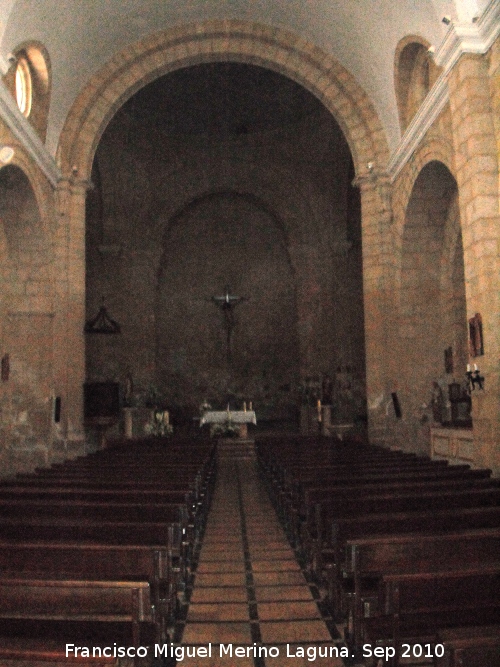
[23, 86]
[29, 82]
[415, 74]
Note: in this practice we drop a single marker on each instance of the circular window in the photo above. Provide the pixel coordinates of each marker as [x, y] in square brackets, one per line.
[23, 86]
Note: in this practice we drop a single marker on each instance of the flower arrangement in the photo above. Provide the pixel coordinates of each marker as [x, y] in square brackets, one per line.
[224, 429]
[159, 424]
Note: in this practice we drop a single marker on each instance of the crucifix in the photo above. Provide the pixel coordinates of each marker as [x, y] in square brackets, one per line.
[227, 303]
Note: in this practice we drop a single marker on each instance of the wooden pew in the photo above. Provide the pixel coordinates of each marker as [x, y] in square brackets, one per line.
[470, 646]
[100, 608]
[36, 652]
[368, 559]
[358, 503]
[94, 561]
[292, 500]
[330, 560]
[414, 606]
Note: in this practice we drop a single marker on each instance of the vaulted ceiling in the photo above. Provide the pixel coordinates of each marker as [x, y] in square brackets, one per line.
[82, 35]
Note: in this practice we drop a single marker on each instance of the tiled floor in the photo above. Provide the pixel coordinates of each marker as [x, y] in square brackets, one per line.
[250, 597]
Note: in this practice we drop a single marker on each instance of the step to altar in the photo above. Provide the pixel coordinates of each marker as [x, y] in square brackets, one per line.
[236, 448]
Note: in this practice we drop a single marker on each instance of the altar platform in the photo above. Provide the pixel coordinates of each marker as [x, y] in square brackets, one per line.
[240, 418]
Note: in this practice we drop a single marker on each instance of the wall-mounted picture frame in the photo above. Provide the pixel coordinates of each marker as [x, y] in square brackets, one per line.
[476, 344]
[448, 360]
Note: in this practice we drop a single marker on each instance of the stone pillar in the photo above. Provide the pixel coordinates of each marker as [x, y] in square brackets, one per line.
[69, 352]
[477, 177]
[128, 422]
[326, 419]
[378, 295]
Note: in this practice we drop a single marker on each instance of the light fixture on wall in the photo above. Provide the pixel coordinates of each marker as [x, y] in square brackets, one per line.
[6, 154]
[102, 323]
[474, 378]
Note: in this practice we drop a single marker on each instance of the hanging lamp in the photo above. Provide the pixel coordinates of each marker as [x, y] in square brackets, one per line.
[102, 323]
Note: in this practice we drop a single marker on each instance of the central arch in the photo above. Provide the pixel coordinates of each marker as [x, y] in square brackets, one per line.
[221, 41]
[180, 47]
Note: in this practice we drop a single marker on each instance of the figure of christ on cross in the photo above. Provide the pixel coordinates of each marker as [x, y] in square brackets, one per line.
[227, 303]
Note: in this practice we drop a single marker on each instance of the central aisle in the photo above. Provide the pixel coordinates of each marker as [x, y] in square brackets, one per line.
[249, 589]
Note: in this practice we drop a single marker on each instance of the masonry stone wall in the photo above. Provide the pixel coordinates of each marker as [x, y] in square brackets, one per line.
[271, 214]
[453, 175]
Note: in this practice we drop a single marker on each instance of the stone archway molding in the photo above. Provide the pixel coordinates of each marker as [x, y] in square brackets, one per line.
[221, 41]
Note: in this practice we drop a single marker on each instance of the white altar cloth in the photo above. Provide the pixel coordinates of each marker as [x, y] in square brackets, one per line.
[234, 416]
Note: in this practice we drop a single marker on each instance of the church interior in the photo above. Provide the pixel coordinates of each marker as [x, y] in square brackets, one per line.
[249, 324]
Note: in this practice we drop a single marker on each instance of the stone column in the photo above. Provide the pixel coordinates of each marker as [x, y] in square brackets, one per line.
[477, 177]
[378, 295]
[69, 352]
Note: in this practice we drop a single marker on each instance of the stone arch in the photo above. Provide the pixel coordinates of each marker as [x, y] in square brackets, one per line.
[414, 74]
[434, 150]
[194, 352]
[213, 41]
[432, 312]
[25, 235]
[27, 320]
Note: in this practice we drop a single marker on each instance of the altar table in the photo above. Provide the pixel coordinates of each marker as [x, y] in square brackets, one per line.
[241, 417]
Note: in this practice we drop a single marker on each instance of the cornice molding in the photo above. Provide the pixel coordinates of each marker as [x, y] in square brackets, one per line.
[461, 38]
[27, 136]
[4, 66]
[469, 37]
[422, 121]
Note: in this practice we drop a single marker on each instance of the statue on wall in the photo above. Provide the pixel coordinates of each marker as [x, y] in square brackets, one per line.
[227, 303]
[437, 403]
[327, 390]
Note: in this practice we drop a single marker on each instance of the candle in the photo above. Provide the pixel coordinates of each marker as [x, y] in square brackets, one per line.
[475, 367]
[468, 368]
[244, 406]
[250, 405]
[166, 417]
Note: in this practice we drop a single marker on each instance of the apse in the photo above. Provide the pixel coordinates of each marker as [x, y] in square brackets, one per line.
[226, 178]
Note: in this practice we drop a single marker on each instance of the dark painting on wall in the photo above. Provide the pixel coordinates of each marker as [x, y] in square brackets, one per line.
[476, 344]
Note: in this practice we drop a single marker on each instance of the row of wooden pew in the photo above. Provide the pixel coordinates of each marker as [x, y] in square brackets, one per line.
[97, 551]
[407, 548]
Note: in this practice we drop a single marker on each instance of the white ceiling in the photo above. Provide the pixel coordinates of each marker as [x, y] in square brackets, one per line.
[82, 35]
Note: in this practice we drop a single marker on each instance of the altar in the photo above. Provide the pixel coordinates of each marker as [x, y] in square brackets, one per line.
[235, 417]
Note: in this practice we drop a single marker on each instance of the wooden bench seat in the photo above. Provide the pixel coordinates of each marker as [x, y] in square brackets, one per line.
[329, 558]
[337, 505]
[414, 606]
[94, 561]
[368, 560]
[470, 646]
[44, 652]
[57, 601]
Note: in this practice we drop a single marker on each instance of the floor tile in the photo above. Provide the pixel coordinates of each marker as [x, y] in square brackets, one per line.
[276, 593]
[273, 598]
[273, 578]
[220, 579]
[225, 611]
[205, 633]
[218, 594]
[231, 566]
[294, 631]
[288, 610]
[292, 656]
[275, 566]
